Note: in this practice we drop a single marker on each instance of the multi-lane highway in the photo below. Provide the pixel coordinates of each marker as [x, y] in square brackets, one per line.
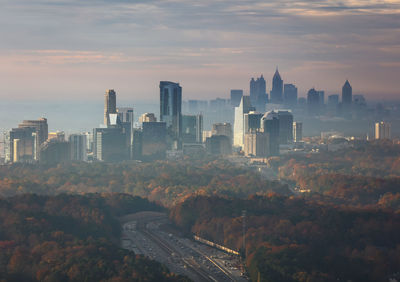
[143, 235]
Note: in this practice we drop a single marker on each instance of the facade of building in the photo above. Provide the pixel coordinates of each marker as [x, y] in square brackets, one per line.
[285, 127]
[125, 114]
[110, 105]
[256, 144]
[270, 125]
[236, 96]
[252, 122]
[78, 143]
[40, 126]
[154, 141]
[382, 130]
[258, 92]
[297, 131]
[21, 145]
[224, 129]
[54, 151]
[276, 96]
[109, 144]
[57, 135]
[171, 111]
[239, 128]
[192, 128]
[313, 103]
[219, 145]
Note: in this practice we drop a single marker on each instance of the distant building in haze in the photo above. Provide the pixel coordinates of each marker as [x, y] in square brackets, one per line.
[277, 89]
[78, 144]
[58, 135]
[171, 111]
[321, 97]
[54, 151]
[109, 144]
[154, 141]
[382, 130]
[40, 126]
[347, 93]
[252, 122]
[20, 145]
[110, 105]
[236, 96]
[125, 114]
[218, 145]
[192, 128]
[313, 103]
[290, 94]
[222, 129]
[333, 100]
[258, 95]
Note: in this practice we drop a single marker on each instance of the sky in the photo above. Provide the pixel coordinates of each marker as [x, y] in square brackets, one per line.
[73, 50]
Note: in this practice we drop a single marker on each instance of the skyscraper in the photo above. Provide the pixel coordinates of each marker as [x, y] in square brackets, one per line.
[238, 127]
[347, 93]
[285, 127]
[277, 89]
[236, 96]
[270, 125]
[258, 95]
[313, 103]
[290, 94]
[110, 105]
[171, 111]
[40, 126]
[77, 143]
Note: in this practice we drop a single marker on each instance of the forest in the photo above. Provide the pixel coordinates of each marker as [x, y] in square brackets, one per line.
[296, 239]
[165, 182]
[71, 238]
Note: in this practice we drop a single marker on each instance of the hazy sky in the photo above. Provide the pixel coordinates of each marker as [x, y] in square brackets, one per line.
[75, 49]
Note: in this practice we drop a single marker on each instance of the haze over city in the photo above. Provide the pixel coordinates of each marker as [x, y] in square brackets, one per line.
[65, 50]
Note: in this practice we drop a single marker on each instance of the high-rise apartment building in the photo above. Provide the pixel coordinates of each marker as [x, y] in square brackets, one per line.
[382, 130]
[277, 89]
[347, 93]
[110, 105]
[171, 111]
[297, 131]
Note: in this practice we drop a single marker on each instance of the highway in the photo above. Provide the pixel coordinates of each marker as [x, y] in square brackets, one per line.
[142, 233]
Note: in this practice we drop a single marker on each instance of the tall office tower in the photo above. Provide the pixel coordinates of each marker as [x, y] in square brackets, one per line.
[285, 127]
[277, 89]
[147, 117]
[270, 125]
[252, 122]
[236, 96]
[222, 129]
[171, 112]
[22, 145]
[321, 95]
[347, 93]
[290, 94]
[40, 126]
[238, 127]
[154, 141]
[110, 105]
[7, 146]
[192, 128]
[297, 131]
[89, 141]
[77, 143]
[382, 130]
[258, 96]
[313, 103]
[256, 144]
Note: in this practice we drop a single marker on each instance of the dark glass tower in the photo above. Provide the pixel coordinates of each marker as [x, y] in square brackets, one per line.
[347, 93]
[277, 88]
[171, 111]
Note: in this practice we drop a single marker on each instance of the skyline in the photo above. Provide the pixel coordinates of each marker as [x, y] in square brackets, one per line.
[64, 50]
